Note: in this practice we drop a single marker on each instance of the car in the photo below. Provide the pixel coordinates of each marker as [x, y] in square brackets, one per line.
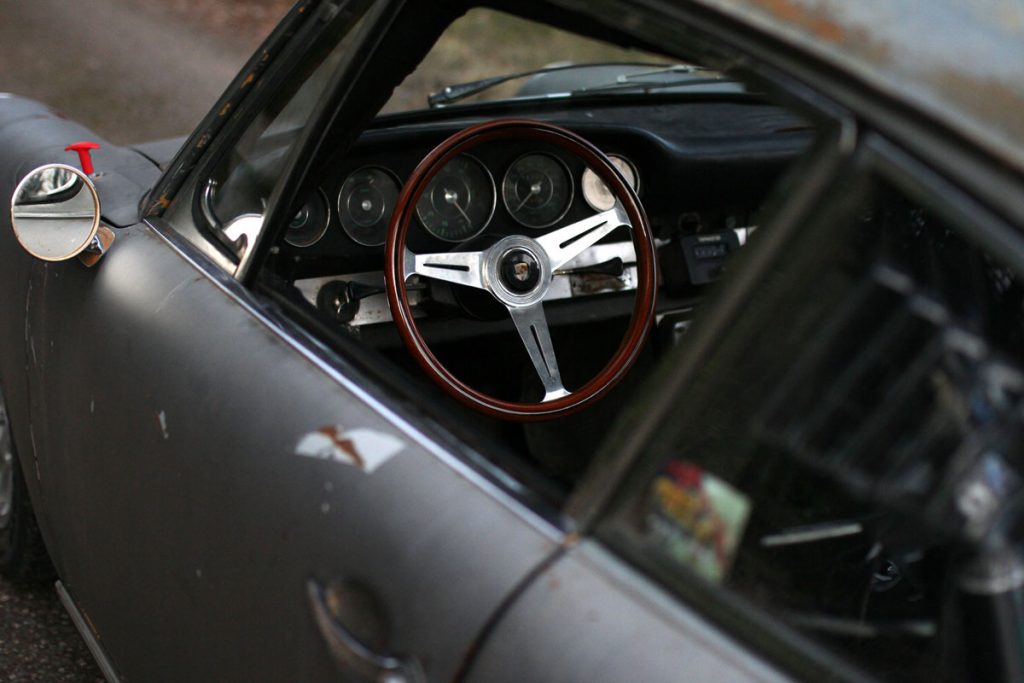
[685, 345]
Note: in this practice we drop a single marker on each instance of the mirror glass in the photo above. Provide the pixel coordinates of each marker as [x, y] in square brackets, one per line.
[55, 212]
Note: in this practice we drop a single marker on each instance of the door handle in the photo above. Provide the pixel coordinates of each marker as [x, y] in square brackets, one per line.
[349, 651]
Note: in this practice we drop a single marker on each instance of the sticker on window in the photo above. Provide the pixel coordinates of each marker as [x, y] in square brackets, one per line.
[696, 518]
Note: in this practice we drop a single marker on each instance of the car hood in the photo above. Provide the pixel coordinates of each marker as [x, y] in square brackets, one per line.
[33, 134]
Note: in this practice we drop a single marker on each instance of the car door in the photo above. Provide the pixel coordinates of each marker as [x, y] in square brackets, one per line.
[826, 478]
[200, 469]
[226, 499]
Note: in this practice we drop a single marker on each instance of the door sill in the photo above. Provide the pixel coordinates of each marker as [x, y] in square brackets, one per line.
[88, 636]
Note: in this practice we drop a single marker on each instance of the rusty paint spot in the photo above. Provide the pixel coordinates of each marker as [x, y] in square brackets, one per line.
[342, 442]
[162, 203]
[203, 141]
[161, 424]
[224, 110]
[571, 540]
[792, 13]
[997, 102]
[248, 80]
[88, 622]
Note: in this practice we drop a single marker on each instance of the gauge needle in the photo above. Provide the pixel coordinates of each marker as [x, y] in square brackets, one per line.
[453, 199]
[534, 189]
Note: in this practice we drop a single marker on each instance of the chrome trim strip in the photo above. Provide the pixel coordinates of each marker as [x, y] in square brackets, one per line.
[811, 534]
[88, 636]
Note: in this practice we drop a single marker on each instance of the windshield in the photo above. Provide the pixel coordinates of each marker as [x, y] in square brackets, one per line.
[486, 44]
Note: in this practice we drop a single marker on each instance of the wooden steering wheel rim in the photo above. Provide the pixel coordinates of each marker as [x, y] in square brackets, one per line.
[394, 269]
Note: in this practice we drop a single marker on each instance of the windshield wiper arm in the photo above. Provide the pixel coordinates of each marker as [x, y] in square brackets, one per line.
[454, 93]
[634, 82]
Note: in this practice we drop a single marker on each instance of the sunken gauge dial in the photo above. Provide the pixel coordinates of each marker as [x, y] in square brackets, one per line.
[459, 202]
[310, 223]
[537, 190]
[365, 202]
[597, 194]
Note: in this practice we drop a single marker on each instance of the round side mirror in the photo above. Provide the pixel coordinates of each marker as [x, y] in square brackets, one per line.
[55, 212]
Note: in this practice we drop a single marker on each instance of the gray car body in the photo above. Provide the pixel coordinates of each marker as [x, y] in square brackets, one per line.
[164, 470]
[158, 405]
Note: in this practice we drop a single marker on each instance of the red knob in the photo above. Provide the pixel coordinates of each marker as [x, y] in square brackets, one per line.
[84, 150]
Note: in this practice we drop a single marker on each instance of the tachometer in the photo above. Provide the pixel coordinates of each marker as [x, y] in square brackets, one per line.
[537, 190]
[365, 203]
[459, 202]
[596, 193]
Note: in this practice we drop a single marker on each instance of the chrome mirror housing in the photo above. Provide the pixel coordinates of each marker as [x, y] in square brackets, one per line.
[55, 213]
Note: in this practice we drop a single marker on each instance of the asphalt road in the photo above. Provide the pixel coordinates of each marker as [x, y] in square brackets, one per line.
[133, 71]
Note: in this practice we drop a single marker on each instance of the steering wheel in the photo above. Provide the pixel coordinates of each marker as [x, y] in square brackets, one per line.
[517, 271]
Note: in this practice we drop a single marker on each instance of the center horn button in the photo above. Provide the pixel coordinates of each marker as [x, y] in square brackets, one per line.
[520, 271]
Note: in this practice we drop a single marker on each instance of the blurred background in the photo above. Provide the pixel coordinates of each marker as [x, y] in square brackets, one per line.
[150, 69]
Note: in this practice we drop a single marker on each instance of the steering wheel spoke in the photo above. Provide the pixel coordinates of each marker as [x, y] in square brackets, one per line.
[532, 326]
[459, 267]
[565, 244]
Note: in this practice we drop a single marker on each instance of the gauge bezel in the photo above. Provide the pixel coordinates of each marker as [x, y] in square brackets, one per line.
[569, 181]
[323, 228]
[386, 219]
[628, 161]
[490, 215]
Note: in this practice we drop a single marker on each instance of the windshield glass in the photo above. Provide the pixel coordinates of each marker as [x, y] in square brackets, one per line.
[466, 53]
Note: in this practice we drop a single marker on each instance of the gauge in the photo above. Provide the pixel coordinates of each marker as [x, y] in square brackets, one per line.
[537, 190]
[459, 202]
[310, 223]
[365, 202]
[597, 194]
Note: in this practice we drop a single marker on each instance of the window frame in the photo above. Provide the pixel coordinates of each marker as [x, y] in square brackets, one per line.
[285, 51]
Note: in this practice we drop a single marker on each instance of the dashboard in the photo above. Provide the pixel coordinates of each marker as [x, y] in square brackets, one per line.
[702, 170]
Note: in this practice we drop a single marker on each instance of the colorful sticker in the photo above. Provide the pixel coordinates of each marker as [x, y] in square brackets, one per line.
[697, 518]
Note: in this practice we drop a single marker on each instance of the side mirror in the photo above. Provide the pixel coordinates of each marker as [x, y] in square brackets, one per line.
[55, 213]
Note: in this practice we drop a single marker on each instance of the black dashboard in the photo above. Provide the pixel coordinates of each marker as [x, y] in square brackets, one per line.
[702, 170]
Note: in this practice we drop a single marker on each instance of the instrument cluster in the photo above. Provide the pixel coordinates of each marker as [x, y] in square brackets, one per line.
[536, 189]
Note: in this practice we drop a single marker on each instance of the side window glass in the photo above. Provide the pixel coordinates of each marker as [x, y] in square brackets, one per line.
[848, 458]
[242, 180]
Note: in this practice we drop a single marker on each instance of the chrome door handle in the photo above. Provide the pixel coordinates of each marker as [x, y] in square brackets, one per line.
[354, 656]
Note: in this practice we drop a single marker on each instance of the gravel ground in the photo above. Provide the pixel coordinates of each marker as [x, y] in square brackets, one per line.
[37, 640]
[132, 71]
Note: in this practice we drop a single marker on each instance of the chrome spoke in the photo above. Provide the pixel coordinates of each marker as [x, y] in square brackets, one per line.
[459, 267]
[533, 330]
[566, 243]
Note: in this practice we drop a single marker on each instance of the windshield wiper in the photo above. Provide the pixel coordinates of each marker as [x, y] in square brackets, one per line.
[647, 81]
[454, 93]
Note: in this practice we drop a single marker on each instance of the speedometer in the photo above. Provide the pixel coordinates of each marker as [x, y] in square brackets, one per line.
[597, 194]
[537, 190]
[459, 202]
